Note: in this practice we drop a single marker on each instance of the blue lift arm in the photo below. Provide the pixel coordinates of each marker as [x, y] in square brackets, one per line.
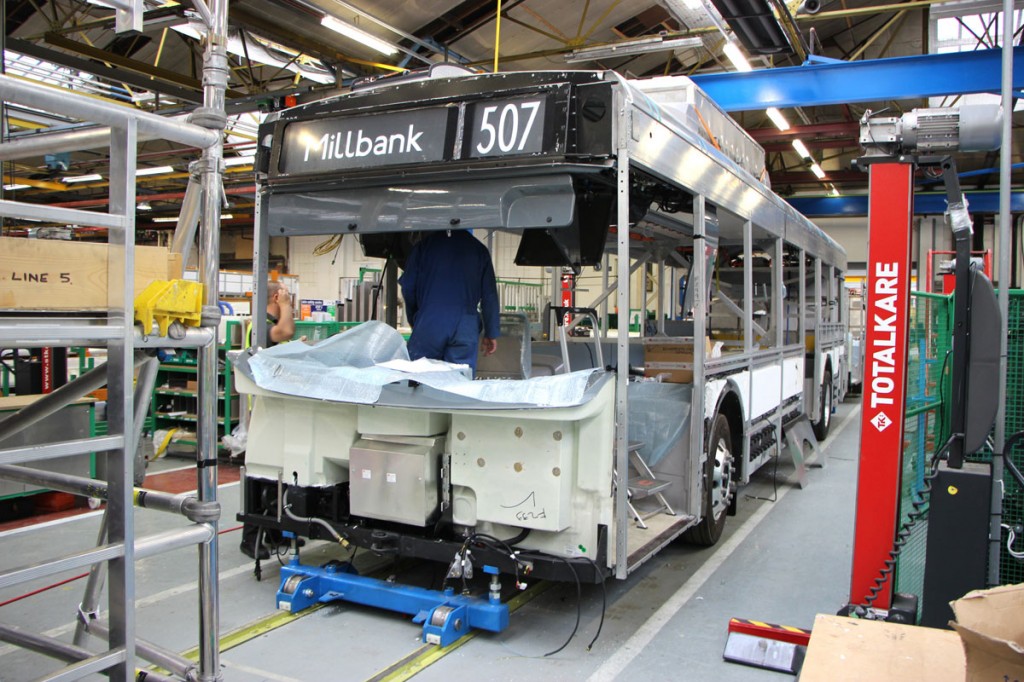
[874, 80]
[924, 204]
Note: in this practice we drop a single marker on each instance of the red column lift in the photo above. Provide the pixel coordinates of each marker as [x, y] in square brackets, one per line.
[890, 209]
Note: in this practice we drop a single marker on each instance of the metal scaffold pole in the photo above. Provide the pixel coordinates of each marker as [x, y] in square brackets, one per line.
[212, 116]
[1003, 278]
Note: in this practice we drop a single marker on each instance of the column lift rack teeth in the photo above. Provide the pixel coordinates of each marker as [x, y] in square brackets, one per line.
[113, 559]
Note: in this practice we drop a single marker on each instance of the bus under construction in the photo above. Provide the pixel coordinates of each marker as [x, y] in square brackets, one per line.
[580, 458]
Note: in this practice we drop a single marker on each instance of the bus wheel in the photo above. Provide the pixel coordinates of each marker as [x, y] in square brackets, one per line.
[718, 464]
[825, 417]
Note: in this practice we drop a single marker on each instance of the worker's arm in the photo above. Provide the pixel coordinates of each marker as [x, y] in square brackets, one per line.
[284, 330]
[490, 308]
[489, 305]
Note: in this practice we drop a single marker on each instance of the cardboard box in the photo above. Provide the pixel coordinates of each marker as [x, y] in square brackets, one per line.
[991, 626]
[243, 248]
[664, 355]
[48, 274]
[853, 650]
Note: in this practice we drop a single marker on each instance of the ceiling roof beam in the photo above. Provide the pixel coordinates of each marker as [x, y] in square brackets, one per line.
[194, 95]
[823, 143]
[152, 17]
[780, 179]
[127, 63]
[295, 40]
[840, 129]
[463, 19]
[876, 80]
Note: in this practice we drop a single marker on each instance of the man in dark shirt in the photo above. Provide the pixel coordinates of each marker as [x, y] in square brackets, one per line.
[280, 328]
[447, 276]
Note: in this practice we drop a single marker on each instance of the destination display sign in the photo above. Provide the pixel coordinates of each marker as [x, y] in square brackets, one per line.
[505, 127]
[370, 141]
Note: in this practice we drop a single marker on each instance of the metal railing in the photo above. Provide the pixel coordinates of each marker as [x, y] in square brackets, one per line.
[113, 559]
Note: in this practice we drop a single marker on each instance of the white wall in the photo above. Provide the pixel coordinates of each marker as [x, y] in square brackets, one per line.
[318, 278]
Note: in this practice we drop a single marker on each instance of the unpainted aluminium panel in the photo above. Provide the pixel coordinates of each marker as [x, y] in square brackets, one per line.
[684, 158]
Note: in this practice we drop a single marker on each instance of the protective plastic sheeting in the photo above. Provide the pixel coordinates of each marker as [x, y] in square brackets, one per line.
[655, 417]
[347, 368]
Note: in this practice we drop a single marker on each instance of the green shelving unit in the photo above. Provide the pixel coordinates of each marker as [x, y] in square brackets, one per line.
[318, 331]
[175, 401]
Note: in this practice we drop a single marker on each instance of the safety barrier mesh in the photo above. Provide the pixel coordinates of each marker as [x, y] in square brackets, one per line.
[1011, 570]
[925, 425]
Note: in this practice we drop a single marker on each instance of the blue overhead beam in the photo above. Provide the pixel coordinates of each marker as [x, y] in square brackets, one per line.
[924, 204]
[875, 80]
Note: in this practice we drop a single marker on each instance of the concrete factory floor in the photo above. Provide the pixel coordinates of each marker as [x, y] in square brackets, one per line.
[780, 562]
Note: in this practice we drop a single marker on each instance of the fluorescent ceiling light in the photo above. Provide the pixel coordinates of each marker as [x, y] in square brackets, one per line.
[93, 177]
[358, 35]
[166, 220]
[801, 149]
[816, 169]
[835, 192]
[736, 56]
[143, 206]
[631, 47]
[238, 161]
[226, 216]
[158, 170]
[777, 118]
[14, 187]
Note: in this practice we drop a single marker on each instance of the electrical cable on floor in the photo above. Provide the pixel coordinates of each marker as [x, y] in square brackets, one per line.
[604, 603]
[579, 606]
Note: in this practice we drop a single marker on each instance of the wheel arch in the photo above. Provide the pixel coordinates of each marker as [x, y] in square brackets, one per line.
[730, 405]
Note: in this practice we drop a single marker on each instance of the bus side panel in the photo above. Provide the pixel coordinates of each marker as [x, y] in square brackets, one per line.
[307, 441]
[792, 377]
[768, 383]
[546, 470]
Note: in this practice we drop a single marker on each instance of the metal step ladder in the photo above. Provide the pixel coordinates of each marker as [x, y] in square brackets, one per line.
[797, 432]
[645, 484]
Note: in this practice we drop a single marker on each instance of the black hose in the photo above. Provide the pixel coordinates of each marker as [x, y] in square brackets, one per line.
[918, 502]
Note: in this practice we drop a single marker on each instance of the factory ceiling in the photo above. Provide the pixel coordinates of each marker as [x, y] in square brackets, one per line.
[287, 49]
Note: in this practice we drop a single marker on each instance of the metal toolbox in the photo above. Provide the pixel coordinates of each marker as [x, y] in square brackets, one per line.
[395, 479]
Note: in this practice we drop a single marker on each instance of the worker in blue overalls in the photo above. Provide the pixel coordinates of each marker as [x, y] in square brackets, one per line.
[447, 276]
[280, 328]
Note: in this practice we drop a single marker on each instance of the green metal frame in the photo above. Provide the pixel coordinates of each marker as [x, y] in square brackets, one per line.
[927, 426]
[187, 365]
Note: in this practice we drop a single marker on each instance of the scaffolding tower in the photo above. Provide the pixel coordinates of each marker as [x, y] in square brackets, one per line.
[129, 348]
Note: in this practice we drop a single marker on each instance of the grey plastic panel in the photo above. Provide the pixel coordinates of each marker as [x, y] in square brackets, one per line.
[543, 201]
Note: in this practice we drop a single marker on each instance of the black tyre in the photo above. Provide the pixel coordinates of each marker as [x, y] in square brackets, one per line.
[824, 422]
[717, 489]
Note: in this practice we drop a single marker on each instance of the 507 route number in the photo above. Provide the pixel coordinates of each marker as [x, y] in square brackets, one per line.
[507, 128]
